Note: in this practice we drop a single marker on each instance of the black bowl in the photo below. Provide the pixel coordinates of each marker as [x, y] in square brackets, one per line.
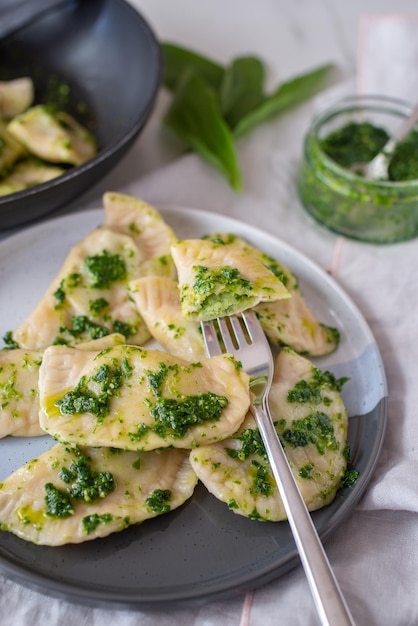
[110, 59]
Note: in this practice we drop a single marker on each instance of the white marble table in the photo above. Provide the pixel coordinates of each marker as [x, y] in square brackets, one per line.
[374, 553]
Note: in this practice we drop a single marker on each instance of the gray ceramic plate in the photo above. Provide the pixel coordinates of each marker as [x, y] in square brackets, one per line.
[201, 550]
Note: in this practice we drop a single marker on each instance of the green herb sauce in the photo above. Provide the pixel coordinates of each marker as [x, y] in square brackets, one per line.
[83, 399]
[261, 485]
[251, 443]
[10, 343]
[105, 269]
[207, 281]
[57, 502]
[84, 482]
[91, 522]
[315, 429]
[159, 500]
[176, 417]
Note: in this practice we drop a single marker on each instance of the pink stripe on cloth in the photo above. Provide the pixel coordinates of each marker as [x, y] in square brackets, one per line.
[336, 259]
[246, 609]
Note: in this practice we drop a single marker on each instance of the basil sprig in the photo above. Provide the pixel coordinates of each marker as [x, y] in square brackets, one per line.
[213, 105]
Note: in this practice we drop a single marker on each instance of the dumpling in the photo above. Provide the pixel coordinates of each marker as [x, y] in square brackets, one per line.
[311, 420]
[89, 297]
[15, 96]
[28, 173]
[158, 301]
[138, 399]
[288, 321]
[141, 221]
[217, 279]
[71, 495]
[54, 136]
[11, 150]
[19, 395]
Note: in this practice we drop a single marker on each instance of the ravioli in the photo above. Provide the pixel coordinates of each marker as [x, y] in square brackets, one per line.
[19, 395]
[158, 301]
[217, 279]
[27, 173]
[11, 150]
[311, 421]
[15, 96]
[138, 399]
[89, 297]
[54, 136]
[290, 321]
[72, 494]
[153, 236]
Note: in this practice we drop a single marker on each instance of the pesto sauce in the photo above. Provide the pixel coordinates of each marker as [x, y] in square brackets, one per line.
[349, 204]
[158, 501]
[82, 399]
[251, 443]
[310, 391]
[97, 306]
[105, 269]
[10, 343]
[176, 417]
[355, 142]
[261, 485]
[91, 522]
[349, 478]
[315, 429]
[57, 502]
[81, 325]
[84, 482]
[360, 142]
[208, 280]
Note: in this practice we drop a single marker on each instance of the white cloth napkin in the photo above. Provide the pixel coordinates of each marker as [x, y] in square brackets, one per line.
[375, 552]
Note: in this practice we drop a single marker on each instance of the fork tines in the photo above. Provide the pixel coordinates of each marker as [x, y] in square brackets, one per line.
[227, 334]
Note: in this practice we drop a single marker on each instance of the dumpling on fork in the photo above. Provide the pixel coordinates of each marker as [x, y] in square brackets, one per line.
[288, 321]
[218, 279]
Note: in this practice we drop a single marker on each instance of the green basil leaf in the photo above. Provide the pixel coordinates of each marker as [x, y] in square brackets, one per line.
[177, 59]
[194, 115]
[287, 95]
[242, 89]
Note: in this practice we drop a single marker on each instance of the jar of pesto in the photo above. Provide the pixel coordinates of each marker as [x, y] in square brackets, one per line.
[352, 131]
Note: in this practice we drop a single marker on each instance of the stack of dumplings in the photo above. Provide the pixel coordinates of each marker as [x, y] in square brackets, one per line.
[111, 365]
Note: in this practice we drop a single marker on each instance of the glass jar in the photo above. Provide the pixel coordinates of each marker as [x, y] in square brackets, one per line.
[374, 211]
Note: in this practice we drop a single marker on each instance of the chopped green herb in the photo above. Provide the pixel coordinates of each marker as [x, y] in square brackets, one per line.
[261, 483]
[97, 306]
[91, 522]
[159, 500]
[57, 502]
[178, 416]
[315, 429]
[105, 269]
[252, 443]
[10, 343]
[85, 483]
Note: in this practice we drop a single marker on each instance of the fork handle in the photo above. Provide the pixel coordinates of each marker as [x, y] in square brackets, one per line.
[329, 601]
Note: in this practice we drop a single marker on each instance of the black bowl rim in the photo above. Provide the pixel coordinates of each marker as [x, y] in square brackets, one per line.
[117, 145]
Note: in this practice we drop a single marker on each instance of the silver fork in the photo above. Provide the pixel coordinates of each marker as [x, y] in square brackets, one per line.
[248, 344]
